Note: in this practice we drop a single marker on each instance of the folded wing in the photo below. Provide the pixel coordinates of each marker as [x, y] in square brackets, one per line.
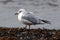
[30, 18]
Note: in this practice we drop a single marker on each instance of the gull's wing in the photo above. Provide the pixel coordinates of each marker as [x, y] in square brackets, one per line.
[30, 17]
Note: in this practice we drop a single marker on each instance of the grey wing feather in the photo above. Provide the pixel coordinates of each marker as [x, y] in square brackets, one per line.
[30, 18]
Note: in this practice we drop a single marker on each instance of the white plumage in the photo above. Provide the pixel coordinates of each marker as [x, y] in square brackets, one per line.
[28, 18]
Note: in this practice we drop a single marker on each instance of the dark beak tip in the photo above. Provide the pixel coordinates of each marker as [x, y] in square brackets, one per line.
[16, 14]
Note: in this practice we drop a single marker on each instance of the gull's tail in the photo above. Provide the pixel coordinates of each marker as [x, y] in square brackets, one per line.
[45, 21]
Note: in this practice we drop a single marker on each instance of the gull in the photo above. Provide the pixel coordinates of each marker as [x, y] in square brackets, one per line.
[28, 18]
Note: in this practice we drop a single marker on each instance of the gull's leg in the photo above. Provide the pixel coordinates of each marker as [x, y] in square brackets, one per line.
[29, 29]
[26, 26]
[29, 26]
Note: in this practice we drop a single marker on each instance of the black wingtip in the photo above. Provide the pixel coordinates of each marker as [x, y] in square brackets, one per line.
[45, 21]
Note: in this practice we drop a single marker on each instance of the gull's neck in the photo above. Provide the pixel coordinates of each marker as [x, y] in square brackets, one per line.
[21, 14]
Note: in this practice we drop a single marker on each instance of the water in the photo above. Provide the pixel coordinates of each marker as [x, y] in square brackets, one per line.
[44, 9]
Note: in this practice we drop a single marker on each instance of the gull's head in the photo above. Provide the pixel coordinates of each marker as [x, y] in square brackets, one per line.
[19, 11]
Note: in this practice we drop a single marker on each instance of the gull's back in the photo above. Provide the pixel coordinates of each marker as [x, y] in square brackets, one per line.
[30, 17]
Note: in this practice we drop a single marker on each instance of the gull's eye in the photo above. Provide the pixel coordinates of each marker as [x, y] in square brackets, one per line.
[20, 11]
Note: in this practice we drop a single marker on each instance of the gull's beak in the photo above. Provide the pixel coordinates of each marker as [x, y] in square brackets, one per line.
[16, 13]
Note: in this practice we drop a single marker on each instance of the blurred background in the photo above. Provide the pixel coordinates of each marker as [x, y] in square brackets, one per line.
[44, 9]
